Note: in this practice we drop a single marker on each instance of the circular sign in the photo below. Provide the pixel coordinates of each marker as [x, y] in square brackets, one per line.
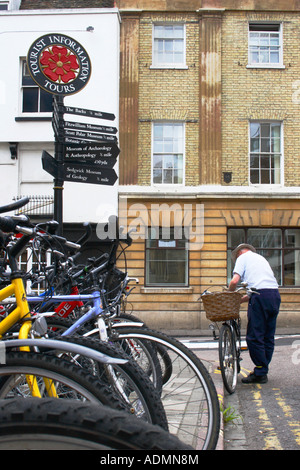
[59, 64]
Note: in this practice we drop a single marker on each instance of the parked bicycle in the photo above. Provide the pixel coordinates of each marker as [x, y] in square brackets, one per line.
[187, 393]
[224, 308]
[116, 372]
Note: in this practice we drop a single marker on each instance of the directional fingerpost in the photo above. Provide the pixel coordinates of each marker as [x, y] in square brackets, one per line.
[89, 152]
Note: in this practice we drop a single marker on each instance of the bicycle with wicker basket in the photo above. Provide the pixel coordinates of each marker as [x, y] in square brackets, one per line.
[224, 307]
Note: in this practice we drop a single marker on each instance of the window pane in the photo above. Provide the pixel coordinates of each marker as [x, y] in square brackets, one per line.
[236, 236]
[261, 238]
[265, 145]
[168, 161]
[254, 162]
[265, 162]
[254, 177]
[30, 100]
[167, 176]
[166, 258]
[274, 258]
[157, 161]
[157, 176]
[254, 129]
[163, 269]
[265, 177]
[275, 145]
[292, 238]
[254, 145]
[274, 57]
[265, 130]
[45, 102]
[292, 268]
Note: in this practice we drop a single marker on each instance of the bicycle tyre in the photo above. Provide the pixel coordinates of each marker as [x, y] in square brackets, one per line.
[49, 424]
[145, 354]
[228, 358]
[70, 381]
[189, 397]
[137, 391]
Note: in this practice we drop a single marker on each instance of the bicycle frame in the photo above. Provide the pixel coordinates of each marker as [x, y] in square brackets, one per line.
[16, 288]
[95, 311]
[22, 311]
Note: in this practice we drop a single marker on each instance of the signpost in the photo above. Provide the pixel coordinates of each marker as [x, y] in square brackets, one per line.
[84, 152]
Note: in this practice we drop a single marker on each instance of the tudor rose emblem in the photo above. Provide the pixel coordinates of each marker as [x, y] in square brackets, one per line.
[59, 64]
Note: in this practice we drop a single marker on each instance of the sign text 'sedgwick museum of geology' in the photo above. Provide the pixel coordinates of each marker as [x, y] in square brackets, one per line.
[59, 64]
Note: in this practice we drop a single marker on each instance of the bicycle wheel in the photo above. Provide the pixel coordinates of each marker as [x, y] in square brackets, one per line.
[49, 424]
[52, 376]
[228, 358]
[189, 397]
[162, 355]
[142, 352]
[129, 381]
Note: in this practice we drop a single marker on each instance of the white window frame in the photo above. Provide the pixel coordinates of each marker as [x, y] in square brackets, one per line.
[153, 153]
[168, 65]
[281, 171]
[271, 65]
[166, 245]
[33, 85]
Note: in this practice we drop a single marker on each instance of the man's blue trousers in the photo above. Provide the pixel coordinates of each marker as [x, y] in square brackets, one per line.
[263, 310]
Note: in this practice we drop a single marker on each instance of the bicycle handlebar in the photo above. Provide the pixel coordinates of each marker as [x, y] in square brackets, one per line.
[9, 224]
[14, 205]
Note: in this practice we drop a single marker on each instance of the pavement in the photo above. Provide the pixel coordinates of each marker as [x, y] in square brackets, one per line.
[207, 350]
[232, 435]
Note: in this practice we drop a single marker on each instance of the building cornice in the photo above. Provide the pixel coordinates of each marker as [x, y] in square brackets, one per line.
[209, 192]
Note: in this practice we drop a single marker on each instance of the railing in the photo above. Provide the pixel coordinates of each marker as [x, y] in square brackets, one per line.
[40, 205]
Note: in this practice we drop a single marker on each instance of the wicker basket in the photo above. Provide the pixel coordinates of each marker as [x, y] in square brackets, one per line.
[221, 306]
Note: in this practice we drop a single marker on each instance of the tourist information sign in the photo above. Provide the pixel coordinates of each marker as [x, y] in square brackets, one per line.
[84, 152]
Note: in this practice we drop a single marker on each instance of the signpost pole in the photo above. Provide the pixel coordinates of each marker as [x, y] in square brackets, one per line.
[58, 101]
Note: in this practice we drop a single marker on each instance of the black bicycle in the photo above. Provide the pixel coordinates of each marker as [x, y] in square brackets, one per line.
[224, 307]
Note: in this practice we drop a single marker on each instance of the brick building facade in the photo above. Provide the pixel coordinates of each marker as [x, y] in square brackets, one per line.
[235, 94]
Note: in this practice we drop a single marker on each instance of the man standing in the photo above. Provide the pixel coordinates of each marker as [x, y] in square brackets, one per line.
[263, 308]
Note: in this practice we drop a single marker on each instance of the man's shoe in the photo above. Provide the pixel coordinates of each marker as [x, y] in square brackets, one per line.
[255, 379]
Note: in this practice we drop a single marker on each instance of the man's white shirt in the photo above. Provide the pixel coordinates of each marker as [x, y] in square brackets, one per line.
[255, 270]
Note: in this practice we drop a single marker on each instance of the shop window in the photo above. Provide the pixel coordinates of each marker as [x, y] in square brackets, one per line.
[281, 247]
[166, 257]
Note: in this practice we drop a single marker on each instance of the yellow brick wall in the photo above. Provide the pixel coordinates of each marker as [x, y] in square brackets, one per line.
[169, 94]
[249, 94]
